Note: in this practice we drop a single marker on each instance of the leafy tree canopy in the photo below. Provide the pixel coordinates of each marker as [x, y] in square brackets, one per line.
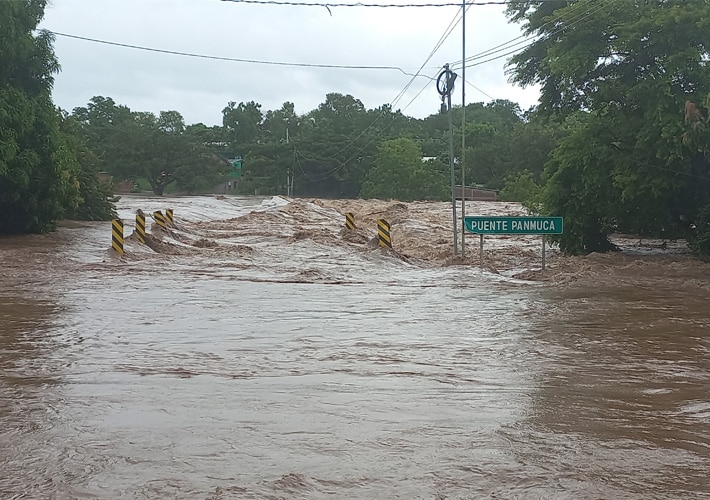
[398, 172]
[625, 70]
[161, 149]
[43, 174]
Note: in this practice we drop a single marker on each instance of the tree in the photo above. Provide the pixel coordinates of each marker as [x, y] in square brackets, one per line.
[398, 172]
[501, 141]
[243, 121]
[328, 151]
[697, 139]
[41, 173]
[337, 147]
[282, 125]
[160, 149]
[625, 70]
[166, 153]
[95, 197]
[520, 187]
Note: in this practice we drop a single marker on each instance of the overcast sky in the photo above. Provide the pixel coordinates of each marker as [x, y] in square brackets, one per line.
[200, 88]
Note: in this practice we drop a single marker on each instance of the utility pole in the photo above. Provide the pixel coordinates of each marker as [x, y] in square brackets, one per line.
[463, 131]
[445, 87]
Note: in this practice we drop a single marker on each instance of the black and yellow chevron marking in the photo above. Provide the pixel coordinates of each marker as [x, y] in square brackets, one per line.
[350, 220]
[117, 236]
[383, 233]
[169, 216]
[140, 227]
[160, 219]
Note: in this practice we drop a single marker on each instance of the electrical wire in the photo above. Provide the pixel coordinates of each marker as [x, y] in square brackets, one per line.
[525, 38]
[481, 91]
[417, 95]
[319, 177]
[378, 5]
[452, 25]
[234, 59]
[447, 32]
[575, 19]
[571, 21]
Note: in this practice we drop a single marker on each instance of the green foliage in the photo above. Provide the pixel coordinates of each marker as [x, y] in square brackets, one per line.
[398, 172]
[337, 146]
[243, 122]
[521, 187]
[33, 182]
[623, 71]
[699, 239]
[42, 175]
[581, 189]
[500, 141]
[265, 169]
[331, 149]
[132, 145]
[697, 140]
[91, 198]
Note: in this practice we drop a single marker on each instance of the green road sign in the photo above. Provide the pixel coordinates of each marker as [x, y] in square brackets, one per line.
[514, 225]
[236, 166]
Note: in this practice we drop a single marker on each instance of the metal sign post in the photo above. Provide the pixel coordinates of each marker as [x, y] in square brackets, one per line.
[445, 86]
[543, 253]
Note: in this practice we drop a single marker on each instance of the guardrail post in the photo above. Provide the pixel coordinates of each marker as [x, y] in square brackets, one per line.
[349, 220]
[160, 219]
[140, 227]
[117, 236]
[383, 233]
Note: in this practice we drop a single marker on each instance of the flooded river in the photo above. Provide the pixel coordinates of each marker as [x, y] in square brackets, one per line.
[259, 351]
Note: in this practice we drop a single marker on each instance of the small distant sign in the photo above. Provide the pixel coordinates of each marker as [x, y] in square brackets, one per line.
[236, 166]
[514, 225]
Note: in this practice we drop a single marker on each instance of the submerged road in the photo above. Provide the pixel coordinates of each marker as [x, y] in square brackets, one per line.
[292, 368]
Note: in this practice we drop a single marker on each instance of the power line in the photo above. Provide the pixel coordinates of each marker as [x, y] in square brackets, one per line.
[571, 17]
[523, 40]
[413, 76]
[574, 18]
[481, 91]
[377, 5]
[447, 32]
[417, 95]
[235, 59]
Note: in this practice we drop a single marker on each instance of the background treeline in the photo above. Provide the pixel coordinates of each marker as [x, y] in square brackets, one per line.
[340, 149]
[618, 143]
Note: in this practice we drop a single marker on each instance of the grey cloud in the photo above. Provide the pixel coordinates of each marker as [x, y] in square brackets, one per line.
[200, 88]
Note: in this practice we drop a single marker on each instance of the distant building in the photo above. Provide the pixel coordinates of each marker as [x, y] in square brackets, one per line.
[475, 194]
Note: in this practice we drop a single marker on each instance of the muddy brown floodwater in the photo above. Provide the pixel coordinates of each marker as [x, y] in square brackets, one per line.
[259, 350]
